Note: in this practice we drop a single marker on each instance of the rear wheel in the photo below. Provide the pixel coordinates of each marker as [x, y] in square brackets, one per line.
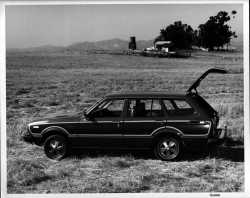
[168, 148]
[55, 147]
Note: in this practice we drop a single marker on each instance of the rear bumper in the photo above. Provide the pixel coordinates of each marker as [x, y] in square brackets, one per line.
[220, 136]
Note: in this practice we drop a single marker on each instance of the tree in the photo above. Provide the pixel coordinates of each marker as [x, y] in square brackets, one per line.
[181, 35]
[215, 32]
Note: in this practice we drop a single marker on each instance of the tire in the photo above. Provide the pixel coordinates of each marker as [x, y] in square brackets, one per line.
[55, 147]
[168, 148]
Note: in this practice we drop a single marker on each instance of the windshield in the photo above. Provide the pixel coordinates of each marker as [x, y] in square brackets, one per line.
[94, 105]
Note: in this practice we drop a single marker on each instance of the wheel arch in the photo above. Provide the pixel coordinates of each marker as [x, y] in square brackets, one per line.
[167, 131]
[53, 130]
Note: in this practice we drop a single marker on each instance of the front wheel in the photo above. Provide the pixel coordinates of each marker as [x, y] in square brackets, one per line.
[167, 148]
[55, 147]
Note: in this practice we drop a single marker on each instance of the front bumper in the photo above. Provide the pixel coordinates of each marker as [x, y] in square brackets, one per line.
[219, 137]
[27, 137]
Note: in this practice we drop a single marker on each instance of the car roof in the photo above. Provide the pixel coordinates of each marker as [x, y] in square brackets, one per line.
[145, 95]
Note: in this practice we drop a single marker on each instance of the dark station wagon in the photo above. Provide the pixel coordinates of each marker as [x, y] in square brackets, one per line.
[164, 123]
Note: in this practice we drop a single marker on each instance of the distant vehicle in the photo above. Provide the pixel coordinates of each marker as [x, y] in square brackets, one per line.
[161, 46]
[165, 46]
[165, 123]
[152, 48]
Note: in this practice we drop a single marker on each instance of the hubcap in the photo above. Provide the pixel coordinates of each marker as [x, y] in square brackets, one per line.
[169, 148]
[56, 148]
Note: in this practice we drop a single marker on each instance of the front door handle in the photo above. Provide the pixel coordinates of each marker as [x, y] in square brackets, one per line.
[194, 121]
[118, 123]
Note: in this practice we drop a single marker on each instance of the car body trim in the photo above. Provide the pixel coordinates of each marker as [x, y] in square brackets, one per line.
[200, 121]
[112, 121]
[200, 135]
[166, 127]
[185, 135]
[54, 127]
[95, 135]
[143, 121]
[170, 121]
[179, 132]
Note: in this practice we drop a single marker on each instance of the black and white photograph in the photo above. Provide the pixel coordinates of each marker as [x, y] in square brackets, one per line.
[131, 98]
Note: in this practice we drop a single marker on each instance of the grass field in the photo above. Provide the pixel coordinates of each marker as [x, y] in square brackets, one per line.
[43, 85]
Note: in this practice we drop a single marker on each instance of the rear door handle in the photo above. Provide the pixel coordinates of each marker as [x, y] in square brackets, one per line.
[194, 121]
[164, 122]
[198, 122]
[118, 123]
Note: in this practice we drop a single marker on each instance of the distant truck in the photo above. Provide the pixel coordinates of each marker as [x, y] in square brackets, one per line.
[162, 49]
[163, 46]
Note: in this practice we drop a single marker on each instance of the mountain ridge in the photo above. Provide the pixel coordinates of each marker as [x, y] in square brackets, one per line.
[110, 44]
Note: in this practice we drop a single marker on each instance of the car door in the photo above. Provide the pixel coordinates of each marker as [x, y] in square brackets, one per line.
[142, 117]
[103, 129]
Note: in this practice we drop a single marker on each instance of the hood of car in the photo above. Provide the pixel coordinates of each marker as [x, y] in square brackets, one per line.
[56, 118]
[198, 81]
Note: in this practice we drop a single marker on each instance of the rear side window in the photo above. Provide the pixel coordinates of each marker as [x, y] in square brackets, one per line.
[169, 105]
[181, 104]
[178, 107]
[144, 108]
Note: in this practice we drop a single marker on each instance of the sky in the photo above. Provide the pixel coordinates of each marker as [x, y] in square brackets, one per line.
[62, 25]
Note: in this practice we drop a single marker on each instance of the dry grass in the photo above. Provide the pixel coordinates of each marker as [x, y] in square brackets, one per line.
[38, 86]
[125, 174]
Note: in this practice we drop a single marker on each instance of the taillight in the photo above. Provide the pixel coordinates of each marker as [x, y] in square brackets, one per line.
[215, 122]
[215, 119]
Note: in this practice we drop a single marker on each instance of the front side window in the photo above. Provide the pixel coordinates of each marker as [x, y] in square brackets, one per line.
[109, 108]
[144, 108]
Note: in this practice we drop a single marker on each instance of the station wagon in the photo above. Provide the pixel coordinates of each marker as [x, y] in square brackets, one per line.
[161, 122]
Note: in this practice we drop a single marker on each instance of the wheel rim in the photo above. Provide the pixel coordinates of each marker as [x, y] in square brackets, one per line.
[168, 148]
[56, 148]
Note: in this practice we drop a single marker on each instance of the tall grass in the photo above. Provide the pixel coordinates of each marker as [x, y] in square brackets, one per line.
[41, 86]
[23, 173]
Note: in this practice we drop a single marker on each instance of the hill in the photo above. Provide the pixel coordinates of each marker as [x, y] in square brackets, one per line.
[112, 44]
